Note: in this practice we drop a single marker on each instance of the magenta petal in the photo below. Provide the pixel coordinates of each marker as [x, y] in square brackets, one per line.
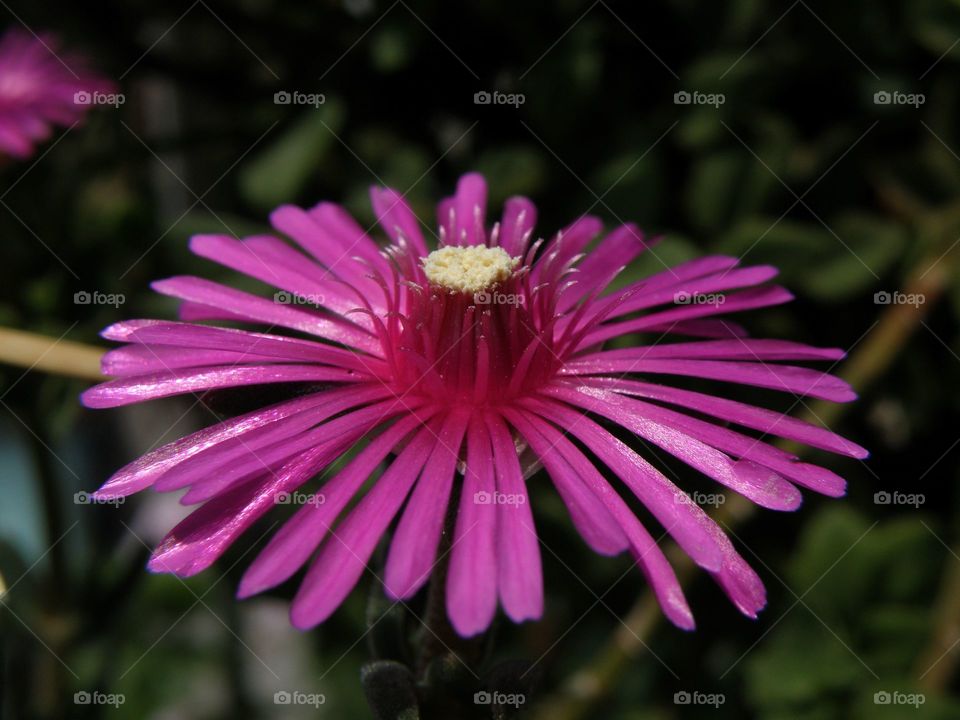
[344, 430]
[736, 302]
[276, 263]
[519, 572]
[462, 217]
[213, 462]
[157, 385]
[690, 525]
[588, 512]
[143, 472]
[702, 327]
[205, 337]
[293, 544]
[142, 360]
[397, 219]
[761, 485]
[595, 272]
[645, 550]
[344, 555]
[413, 550]
[728, 350]
[739, 581]
[573, 239]
[516, 227]
[337, 223]
[689, 270]
[768, 421]
[472, 575]
[785, 378]
[261, 310]
[326, 246]
[203, 536]
[694, 288]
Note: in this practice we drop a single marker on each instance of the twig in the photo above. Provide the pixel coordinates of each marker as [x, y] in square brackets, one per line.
[58, 357]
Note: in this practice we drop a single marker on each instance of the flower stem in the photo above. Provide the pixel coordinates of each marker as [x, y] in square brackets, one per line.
[55, 356]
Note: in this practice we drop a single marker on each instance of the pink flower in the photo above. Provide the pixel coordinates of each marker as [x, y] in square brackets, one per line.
[463, 363]
[40, 86]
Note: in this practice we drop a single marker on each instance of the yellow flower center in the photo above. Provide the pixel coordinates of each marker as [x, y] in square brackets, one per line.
[469, 269]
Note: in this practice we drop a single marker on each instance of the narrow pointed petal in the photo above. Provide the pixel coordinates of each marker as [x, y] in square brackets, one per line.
[413, 551]
[516, 227]
[519, 571]
[472, 576]
[590, 515]
[397, 219]
[344, 555]
[293, 544]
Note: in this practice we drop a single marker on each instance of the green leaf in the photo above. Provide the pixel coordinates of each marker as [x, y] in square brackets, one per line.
[280, 171]
[870, 247]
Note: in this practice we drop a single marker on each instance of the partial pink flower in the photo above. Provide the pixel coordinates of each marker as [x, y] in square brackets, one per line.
[41, 86]
[457, 364]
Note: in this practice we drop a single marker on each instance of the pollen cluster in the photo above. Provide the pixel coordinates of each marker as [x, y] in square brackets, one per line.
[469, 269]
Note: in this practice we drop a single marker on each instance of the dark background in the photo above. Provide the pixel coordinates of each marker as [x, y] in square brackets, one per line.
[799, 167]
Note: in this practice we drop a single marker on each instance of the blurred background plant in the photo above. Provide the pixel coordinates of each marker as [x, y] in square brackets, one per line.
[820, 137]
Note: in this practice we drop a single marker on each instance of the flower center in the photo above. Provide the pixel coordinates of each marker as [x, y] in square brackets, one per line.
[469, 269]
